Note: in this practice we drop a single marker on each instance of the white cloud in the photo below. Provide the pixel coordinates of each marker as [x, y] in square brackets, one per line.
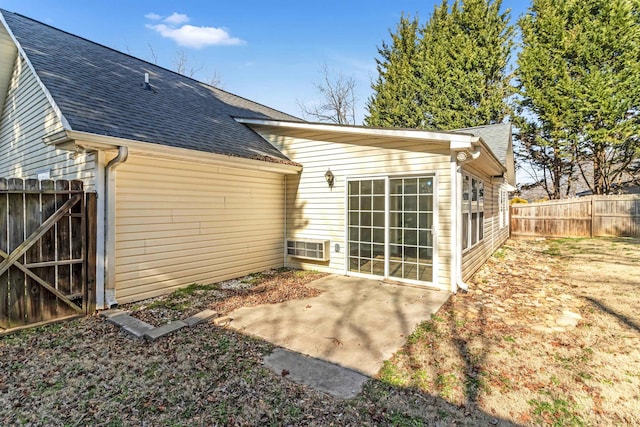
[152, 16]
[177, 19]
[197, 37]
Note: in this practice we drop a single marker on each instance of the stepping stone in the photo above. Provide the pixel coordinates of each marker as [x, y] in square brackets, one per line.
[131, 325]
[163, 330]
[203, 316]
[335, 380]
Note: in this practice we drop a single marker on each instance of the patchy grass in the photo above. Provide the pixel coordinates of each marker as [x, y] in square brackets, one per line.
[488, 357]
[556, 411]
[564, 246]
[265, 287]
[500, 350]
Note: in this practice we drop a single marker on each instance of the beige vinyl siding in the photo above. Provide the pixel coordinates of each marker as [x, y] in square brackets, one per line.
[315, 211]
[27, 116]
[179, 223]
[494, 236]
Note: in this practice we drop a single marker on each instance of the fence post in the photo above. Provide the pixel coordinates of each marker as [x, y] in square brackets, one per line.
[593, 217]
[510, 219]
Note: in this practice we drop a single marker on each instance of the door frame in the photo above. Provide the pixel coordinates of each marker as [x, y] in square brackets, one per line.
[435, 226]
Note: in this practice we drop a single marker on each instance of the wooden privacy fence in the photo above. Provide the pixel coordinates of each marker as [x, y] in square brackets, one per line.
[591, 216]
[47, 256]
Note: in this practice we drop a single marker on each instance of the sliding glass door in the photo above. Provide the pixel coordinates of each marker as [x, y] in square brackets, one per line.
[390, 227]
[366, 231]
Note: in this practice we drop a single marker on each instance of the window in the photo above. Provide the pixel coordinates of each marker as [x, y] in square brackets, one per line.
[504, 208]
[472, 211]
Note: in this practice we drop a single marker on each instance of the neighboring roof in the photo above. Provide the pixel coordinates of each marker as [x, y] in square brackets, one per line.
[101, 91]
[497, 137]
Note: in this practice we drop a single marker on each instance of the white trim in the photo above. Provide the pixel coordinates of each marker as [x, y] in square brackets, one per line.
[457, 140]
[157, 151]
[393, 280]
[22, 53]
[434, 282]
[285, 260]
[100, 225]
[435, 228]
[110, 225]
[346, 225]
[480, 226]
[456, 235]
[387, 220]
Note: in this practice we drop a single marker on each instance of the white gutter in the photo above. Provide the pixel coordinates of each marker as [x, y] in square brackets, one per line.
[158, 151]
[455, 139]
[459, 157]
[286, 251]
[110, 226]
[100, 234]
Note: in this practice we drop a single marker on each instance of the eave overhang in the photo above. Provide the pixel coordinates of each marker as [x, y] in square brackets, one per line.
[78, 142]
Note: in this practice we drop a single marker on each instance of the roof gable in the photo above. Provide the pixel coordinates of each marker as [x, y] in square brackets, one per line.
[497, 137]
[101, 91]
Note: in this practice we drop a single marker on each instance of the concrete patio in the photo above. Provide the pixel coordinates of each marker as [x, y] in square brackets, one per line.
[355, 323]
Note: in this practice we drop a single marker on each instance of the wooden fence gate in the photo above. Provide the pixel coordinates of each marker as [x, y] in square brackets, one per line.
[47, 251]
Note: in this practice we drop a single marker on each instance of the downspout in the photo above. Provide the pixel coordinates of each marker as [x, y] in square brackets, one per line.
[286, 251]
[110, 224]
[459, 282]
[461, 157]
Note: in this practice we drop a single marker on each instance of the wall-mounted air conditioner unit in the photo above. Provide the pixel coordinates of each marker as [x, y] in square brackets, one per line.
[317, 250]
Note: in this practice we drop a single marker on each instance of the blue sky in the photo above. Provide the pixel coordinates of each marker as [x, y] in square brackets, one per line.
[270, 52]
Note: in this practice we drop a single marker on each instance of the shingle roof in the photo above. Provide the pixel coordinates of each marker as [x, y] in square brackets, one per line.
[496, 136]
[101, 91]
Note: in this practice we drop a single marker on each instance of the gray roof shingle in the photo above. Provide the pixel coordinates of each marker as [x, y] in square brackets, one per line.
[496, 136]
[100, 90]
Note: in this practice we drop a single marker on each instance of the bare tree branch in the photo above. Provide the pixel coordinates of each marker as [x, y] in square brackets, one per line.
[181, 64]
[152, 54]
[215, 80]
[337, 103]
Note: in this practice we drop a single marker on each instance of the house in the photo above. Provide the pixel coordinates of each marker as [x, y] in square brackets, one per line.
[195, 184]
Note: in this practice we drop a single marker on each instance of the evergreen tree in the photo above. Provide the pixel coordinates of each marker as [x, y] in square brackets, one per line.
[465, 54]
[451, 73]
[396, 102]
[579, 78]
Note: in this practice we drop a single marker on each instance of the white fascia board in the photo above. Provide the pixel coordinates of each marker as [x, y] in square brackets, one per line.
[146, 149]
[22, 53]
[459, 140]
[463, 142]
[492, 156]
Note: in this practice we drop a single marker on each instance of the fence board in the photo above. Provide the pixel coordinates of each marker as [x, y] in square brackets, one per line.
[4, 277]
[33, 220]
[15, 238]
[48, 248]
[91, 234]
[582, 217]
[63, 245]
[76, 244]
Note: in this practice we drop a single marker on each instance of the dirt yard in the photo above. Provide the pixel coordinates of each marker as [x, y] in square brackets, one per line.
[549, 334]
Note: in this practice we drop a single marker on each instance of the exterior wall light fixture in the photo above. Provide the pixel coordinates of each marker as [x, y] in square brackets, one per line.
[330, 178]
